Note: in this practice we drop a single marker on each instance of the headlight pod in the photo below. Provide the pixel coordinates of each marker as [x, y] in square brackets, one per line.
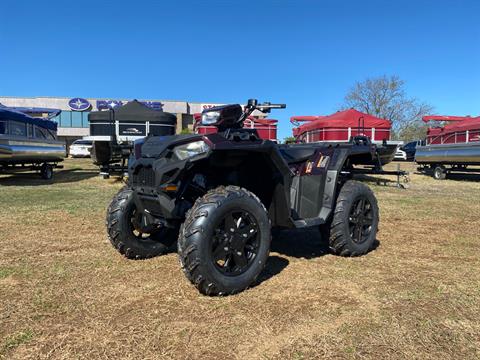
[210, 117]
[186, 151]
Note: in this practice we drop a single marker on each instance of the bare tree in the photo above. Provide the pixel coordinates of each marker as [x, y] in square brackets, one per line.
[385, 98]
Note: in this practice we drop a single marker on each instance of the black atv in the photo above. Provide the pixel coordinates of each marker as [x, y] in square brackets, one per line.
[220, 194]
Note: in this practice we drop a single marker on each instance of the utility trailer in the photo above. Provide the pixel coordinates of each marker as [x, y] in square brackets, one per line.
[114, 132]
[454, 147]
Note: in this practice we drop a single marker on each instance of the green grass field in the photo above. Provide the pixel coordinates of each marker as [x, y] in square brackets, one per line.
[66, 293]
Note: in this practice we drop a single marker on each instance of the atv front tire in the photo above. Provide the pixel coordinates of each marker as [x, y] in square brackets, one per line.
[225, 241]
[124, 236]
[353, 229]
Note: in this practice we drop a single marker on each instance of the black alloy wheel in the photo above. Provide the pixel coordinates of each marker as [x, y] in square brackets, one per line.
[135, 224]
[353, 228]
[224, 242]
[236, 243]
[125, 234]
[361, 220]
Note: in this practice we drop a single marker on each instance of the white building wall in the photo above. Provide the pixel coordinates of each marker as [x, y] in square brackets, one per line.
[172, 106]
[71, 131]
[62, 103]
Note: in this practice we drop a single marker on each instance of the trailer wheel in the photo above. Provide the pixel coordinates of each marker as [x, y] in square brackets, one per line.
[353, 229]
[124, 235]
[439, 173]
[46, 171]
[225, 241]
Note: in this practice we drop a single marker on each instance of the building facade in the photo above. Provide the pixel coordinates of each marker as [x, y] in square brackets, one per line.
[73, 119]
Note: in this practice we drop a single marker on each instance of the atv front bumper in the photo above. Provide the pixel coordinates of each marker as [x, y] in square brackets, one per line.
[156, 185]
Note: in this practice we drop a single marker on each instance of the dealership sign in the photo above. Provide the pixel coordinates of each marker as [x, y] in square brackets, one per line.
[108, 104]
[112, 104]
[79, 104]
[209, 106]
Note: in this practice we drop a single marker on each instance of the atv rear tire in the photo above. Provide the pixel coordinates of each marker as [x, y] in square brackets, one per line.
[353, 229]
[225, 241]
[126, 238]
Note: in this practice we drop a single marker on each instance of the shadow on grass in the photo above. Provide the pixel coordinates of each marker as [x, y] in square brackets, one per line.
[275, 265]
[455, 176]
[299, 243]
[303, 243]
[464, 176]
[32, 178]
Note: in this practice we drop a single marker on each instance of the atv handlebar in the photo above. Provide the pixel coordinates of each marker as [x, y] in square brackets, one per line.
[271, 106]
[264, 107]
[253, 105]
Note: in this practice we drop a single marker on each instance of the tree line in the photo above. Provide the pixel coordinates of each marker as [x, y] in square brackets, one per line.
[385, 97]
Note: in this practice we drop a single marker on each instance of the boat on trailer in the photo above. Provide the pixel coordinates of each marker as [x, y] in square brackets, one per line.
[344, 126]
[115, 131]
[29, 143]
[450, 148]
[266, 128]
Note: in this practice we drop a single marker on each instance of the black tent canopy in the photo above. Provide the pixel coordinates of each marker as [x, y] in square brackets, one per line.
[134, 111]
[132, 119]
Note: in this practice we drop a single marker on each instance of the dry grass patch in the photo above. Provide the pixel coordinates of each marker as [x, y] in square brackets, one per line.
[66, 293]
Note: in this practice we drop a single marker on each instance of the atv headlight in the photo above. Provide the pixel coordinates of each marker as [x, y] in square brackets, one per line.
[210, 117]
[191, 149]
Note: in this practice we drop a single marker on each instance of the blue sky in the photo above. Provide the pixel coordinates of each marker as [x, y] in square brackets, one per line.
[304, 53]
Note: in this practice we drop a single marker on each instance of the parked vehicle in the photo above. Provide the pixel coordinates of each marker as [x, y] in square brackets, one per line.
[410, 149]
[114, 131]
[450, 148]
[342, 126]
[400, 155]
[407, 152]
[221, 193]
[80, 148]
[28, 143]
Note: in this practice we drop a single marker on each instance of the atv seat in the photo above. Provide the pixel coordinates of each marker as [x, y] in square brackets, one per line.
[294, 155]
